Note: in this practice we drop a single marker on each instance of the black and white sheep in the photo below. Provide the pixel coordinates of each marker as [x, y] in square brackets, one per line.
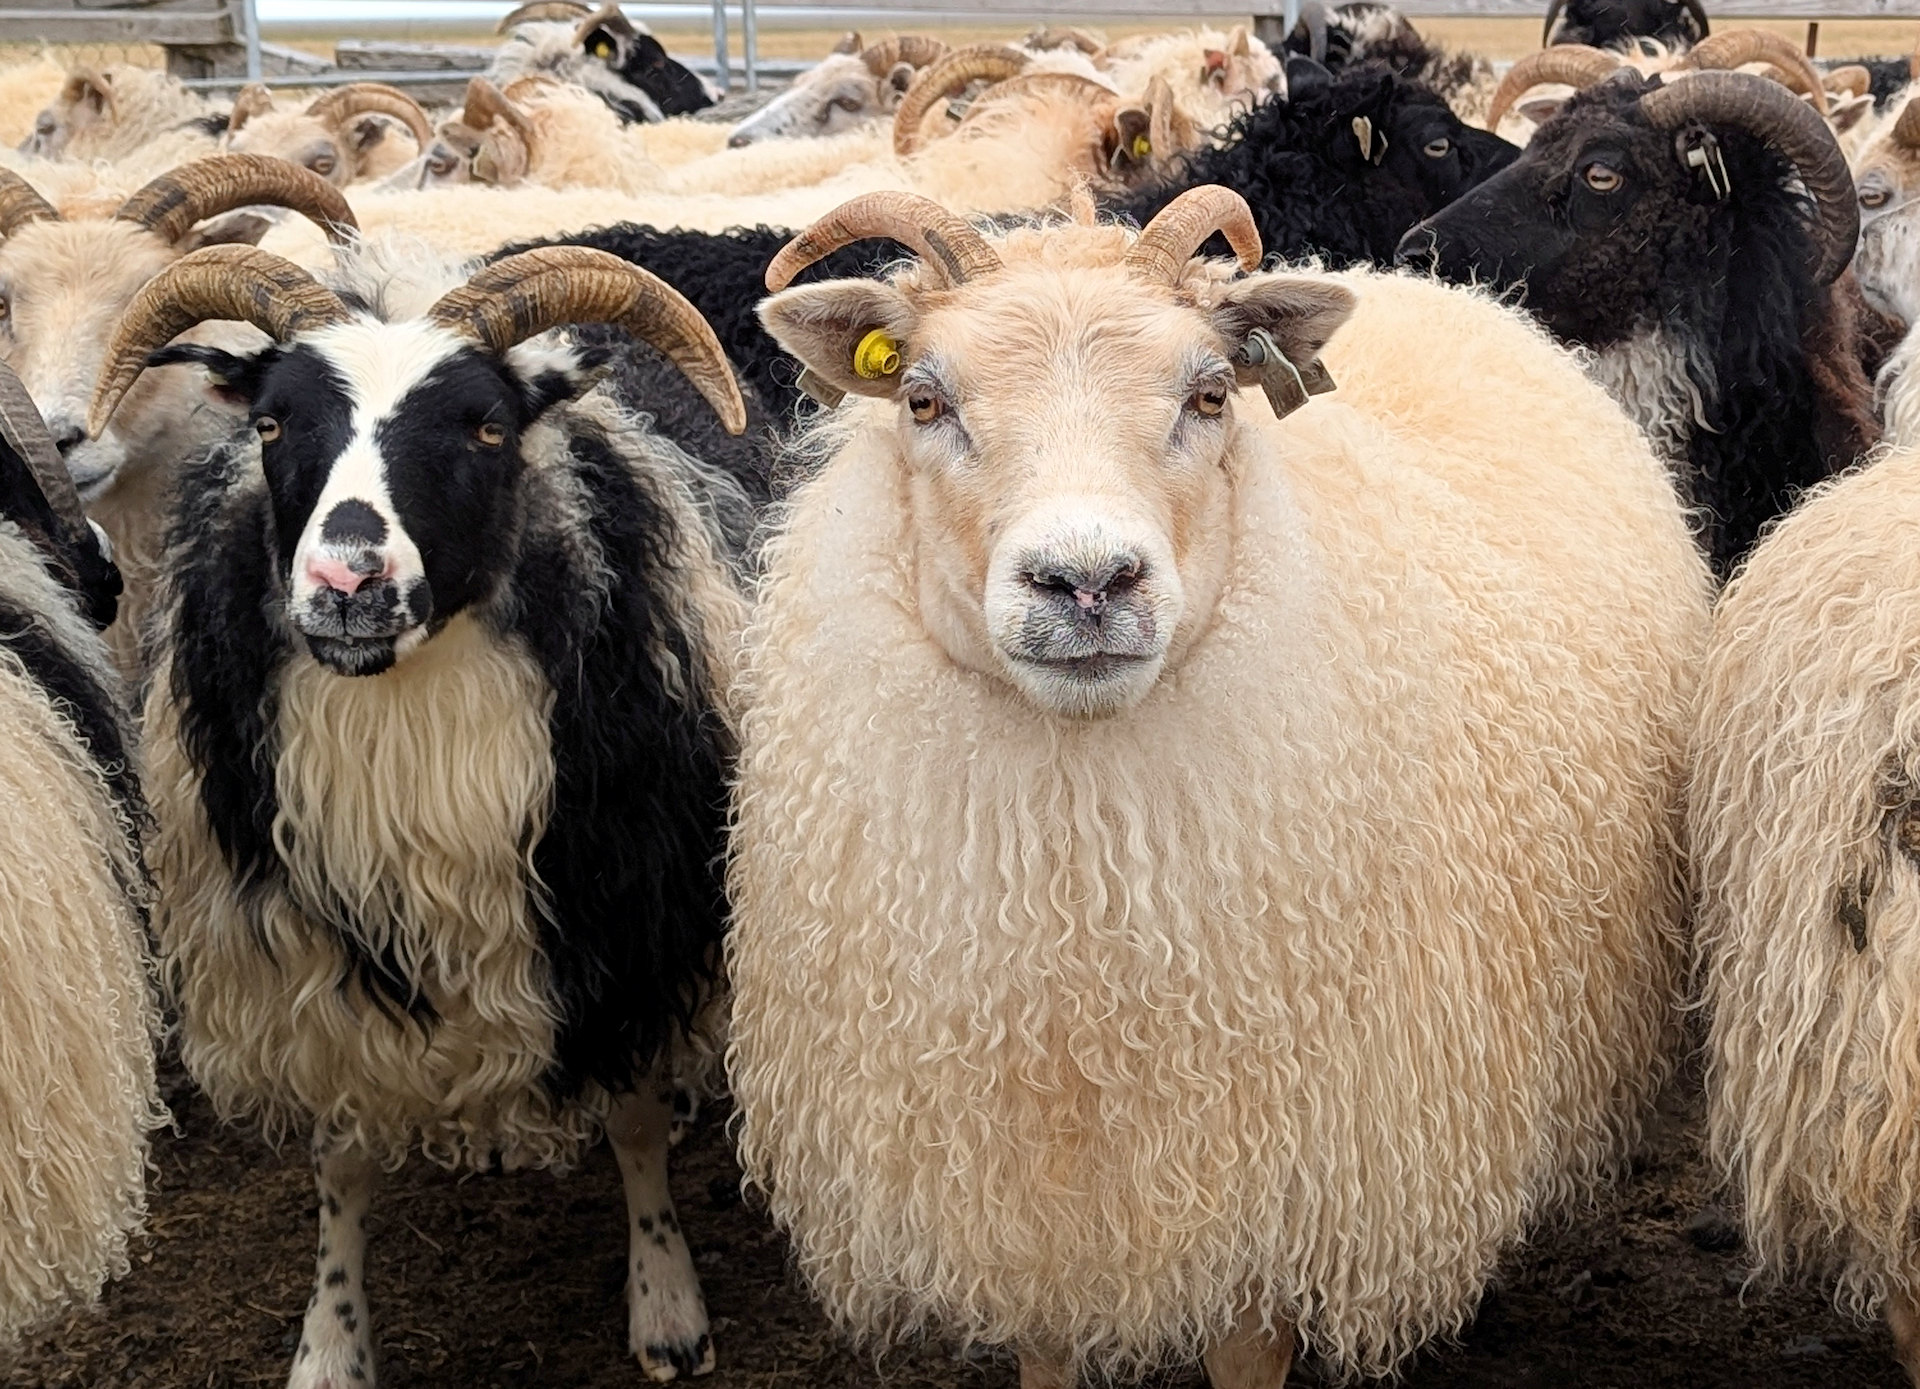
[1317, 184]
[435, 738]
[1622, 23]
[1692, 237]
[77, 1014]
[602, 50]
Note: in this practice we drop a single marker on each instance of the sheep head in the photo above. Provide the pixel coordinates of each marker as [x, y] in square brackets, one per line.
[64, 284]
[1887, 175]
[87, 99]
[851, 87]
[393, 452]
[491, 141]
[1061, 408]
[1613, 213]
[340, 135]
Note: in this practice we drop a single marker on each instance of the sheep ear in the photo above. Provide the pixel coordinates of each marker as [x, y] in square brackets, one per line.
[1540, 109]
[827, 326]
[94, 91]
[367, 132]
[241, 228]
[1843, 114]
[231, 379]
[549, 374]
[900, 78]
[1276, 326]
[849, 42]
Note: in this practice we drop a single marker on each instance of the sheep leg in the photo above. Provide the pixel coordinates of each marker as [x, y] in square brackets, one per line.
[666, 1315]
[336, 1341]
[1252, 1357]
[1903, 1319]
[1038, 1371]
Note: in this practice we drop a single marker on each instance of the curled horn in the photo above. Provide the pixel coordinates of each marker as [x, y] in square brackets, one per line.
[21, 203]
[946, 242]
[251, 100]
[1170, 239]
[1160, 112]
[518, 297]
[1072, 85]
[1906, 130]
[1553, 17]
[1699, 13]
[542, 9]
[951, 73]
[1313, 16]
[1054, 36]
[1725, 52]
[172, 204]
[342, 104]
[26, 433]
[242, 283]
[1766, 110]
[1575, 64]
[915, 50]
[608, 16]
[1852, 79]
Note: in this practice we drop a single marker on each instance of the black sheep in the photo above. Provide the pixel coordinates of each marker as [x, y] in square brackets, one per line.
[1617, 23]
[1690, 236]
[1313, 187]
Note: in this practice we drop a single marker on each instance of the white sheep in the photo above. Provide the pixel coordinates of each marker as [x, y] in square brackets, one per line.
[1196, 877]
[77, 1015]
[1804, 824]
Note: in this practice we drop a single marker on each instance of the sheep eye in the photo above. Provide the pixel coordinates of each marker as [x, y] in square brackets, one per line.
[6, 308]
[491, 435]
[322, 165]
[268, 428]
[1873, 197]
[849, 104]
[1438, 149]
[1208, 403]
[926, 408]
[1602, 179]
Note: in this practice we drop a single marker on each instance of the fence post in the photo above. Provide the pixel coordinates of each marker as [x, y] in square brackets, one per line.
[750, 37]
[723, 72]
[1272, 29]
[250, 32]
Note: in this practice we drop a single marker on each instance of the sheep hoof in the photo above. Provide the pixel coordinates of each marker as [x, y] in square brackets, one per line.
[683, 1359]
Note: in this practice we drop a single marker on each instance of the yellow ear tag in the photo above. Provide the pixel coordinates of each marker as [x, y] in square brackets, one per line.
[1142, 147]
[877, 355]
[603, 49]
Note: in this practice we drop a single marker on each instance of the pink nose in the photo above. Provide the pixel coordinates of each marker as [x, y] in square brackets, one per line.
[340, 576]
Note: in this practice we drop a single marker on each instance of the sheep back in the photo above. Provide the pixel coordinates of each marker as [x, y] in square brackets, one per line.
[1311, 978]
[1806, 747]
[77, 1014]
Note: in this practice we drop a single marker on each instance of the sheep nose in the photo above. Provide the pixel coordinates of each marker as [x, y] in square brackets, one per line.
[69, 438]
[1419, 248]
[1088, 586]
[736, 142]
[347, 575]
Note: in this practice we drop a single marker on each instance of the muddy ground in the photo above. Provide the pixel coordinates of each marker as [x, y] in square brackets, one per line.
[515, 1281]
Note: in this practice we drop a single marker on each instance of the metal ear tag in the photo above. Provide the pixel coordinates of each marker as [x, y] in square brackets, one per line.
[1288, 387]
[1703, 152]
[817, 386]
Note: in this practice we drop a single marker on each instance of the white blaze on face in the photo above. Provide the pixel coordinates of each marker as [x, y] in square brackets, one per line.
[380, 364]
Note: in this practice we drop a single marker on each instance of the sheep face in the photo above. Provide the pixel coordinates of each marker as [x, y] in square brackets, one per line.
[338, 156]
[86, 100]
[836, 95]
[1065, 439]
[1888, 262]
[63, 287]
[392, 459]
[1599, 219]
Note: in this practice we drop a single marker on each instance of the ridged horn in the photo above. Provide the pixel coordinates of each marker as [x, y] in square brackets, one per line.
[1576, 64]
[21, 203]
[1553, 17]
[1170, 239]
[1075, 86]
[951, 73]
[1058, 36]
[26, 433]
[1769, 112]
[1726, 51]
[251, 100]
[1906, 130]
[915, 50]
[174, 203]
[342, 104]
[1851, 78]
[486, 104]
[1160, 109]
[944, 240]
[241, 283]
[524, 295]
[542, 9]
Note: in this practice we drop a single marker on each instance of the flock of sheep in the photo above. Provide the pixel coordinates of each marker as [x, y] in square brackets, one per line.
[1174, 660]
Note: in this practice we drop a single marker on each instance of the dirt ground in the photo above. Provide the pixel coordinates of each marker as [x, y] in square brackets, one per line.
[503, 1282]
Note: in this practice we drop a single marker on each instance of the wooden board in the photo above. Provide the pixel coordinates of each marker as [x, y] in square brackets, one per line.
[119, 21]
